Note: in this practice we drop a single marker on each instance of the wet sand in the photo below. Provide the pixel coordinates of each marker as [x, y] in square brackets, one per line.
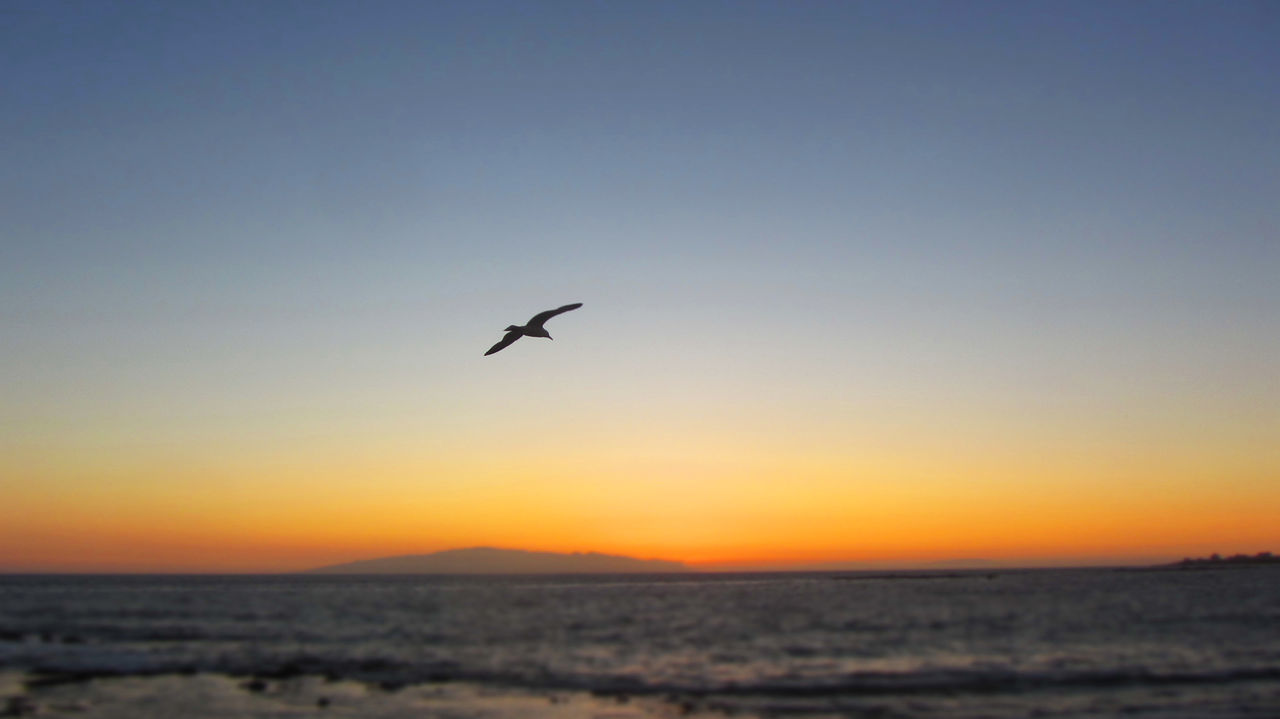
[217, 696]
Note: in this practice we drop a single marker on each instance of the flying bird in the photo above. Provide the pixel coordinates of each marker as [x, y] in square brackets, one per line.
[532, 328]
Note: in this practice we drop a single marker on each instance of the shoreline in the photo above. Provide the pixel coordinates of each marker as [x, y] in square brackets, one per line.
[208, 695]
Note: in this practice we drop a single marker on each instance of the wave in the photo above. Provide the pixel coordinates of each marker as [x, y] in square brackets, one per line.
[61, 660]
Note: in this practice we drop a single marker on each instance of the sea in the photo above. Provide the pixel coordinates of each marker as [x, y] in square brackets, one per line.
[1028, 643]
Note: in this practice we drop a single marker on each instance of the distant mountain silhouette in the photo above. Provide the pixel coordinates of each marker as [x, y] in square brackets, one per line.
[1235, 560]
[488, 560]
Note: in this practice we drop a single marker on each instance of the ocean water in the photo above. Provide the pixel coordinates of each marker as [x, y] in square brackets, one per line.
[1095, 642]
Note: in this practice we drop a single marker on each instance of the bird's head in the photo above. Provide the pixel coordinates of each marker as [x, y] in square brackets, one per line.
[511, 328]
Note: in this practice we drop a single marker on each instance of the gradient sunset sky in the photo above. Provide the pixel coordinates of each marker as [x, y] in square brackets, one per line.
[894, 281]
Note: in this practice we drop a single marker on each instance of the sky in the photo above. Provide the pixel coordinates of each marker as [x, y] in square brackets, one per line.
[861, 281]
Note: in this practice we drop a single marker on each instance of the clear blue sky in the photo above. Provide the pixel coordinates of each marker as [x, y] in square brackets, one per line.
[231, 224]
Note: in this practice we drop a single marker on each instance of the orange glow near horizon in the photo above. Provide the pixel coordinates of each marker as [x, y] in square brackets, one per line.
[715, 506]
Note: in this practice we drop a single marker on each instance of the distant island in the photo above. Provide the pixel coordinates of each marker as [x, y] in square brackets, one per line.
[488, 560]
[1235, 560]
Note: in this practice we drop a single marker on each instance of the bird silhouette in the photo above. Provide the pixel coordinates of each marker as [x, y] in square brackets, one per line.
[532, 328]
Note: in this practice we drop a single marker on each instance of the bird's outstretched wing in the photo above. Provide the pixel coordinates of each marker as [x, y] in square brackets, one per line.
[541, 317]
[506, 340]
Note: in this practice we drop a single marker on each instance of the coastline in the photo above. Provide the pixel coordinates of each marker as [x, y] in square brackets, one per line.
[208, 695]
[222, 696]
